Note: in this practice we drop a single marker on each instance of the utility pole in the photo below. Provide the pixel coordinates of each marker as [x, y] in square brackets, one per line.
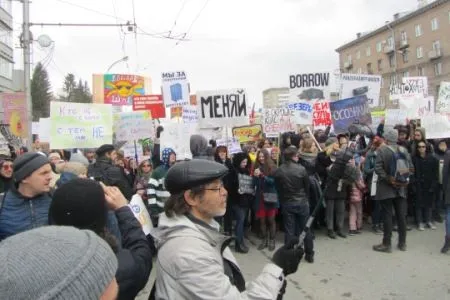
[27, 68]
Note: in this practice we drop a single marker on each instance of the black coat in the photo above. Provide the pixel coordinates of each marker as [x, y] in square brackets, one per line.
[425, 179]
[135, 257]
[292, 183]
[111, 176]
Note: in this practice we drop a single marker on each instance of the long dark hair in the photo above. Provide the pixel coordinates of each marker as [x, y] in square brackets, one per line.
[269, 167]
[177, 205]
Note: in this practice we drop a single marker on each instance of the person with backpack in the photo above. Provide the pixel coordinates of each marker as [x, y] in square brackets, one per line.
[393, 167]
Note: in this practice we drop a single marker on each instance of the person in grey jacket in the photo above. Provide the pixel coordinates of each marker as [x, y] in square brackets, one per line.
[389, 194]
[194, 261]
[199, 147]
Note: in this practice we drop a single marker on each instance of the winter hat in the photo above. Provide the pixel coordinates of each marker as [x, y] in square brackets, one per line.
[80, 203]
[390, 135]
[26, 164]
[104, 149]
[330, 141]
[66, 263]
[79, 158]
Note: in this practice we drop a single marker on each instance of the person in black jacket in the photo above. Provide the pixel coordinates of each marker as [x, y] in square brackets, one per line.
[221, 156]
[103, 170]
[292, 185]
[84, 203]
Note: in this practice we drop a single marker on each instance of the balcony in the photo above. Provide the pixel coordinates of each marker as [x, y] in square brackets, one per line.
[348, 65]
[404, 43]
[388, 49]
[434, 54]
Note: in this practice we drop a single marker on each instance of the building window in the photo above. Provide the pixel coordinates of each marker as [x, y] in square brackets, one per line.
[393, 79]
[379, 43]
[434, 24]
[369, 68]
[403, 36]
[391, 61]
[6, 68]
[6, 36]
[421, 71]
[349, 58]
[437, 47]
[358, 54]
[405, 56]
[419, 52]
[438, 69]
[359, 70]
[405, 74]
[6, 5]
[380, 64]
[390, 41]
[418, 28]
[368, 51]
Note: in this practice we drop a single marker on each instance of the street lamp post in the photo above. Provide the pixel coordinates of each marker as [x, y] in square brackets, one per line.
[125, 58]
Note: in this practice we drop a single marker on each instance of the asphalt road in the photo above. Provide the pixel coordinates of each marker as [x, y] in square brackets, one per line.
[349, 269]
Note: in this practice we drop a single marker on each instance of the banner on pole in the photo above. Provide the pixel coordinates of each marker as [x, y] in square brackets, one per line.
[80, 125]
[348, 111]
[175, 89]
[359, 84]
[222, 108]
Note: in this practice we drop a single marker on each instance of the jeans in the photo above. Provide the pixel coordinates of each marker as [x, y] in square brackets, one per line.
[447, 221]
[399, 205]
[423, 215]
[295, 217]
[377, 213]
[337, 205]
[112, 225]
[240, 214]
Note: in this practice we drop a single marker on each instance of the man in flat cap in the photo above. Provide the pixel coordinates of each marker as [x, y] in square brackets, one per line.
[25, 205]
[103, 170]
[194, 261]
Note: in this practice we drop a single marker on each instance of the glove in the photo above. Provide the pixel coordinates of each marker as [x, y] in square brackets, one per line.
[159, 129]
[288, 257]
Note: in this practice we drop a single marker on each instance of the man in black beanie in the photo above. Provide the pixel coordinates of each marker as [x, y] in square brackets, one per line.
[103, 170]
[25, 205]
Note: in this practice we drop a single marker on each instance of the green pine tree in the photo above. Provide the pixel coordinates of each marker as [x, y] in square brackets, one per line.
[41, 93]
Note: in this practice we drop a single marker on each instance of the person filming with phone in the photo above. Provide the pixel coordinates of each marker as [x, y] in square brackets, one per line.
[194, 260]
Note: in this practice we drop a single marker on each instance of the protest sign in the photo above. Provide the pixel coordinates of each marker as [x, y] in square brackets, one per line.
[175, 89]
[248, 133]
[443, 101]
[80, 125]
[222, 108]
[4, 149]
[15, 113]
[348, 111]
[35, 128]
[129, 150]
[321, 113]
[395, 117]
[176, 112]
[189, 114]
[303, 113]
[152, 103]
[411, 87]
[307, 87]
[416, 106]
[44, 130]
[377, 117]
[133, 126]
[360, 84]
[231, 143]
[140, 212]
[120, 89]
[437, 126]
[177, 137]
[278, 120]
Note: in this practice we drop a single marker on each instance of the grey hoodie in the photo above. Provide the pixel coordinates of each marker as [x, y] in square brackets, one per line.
[199, 147]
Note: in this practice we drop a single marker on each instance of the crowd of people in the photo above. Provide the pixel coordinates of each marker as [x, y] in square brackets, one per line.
[393, 179]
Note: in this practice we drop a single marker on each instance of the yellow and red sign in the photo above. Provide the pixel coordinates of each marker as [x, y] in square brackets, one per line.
[15, 113]
[249, 133]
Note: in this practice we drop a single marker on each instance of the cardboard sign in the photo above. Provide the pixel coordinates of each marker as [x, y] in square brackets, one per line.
[443, 102]
[348, 111]
[189, 114]
[416, 106]
[80, 125]
[321, 113]
[248, 133]
[222, 108]
[232, 145]
[141, 213]
[15, 113]
[360, 84]
[152, 103]
[395, 117]
[133, 126]
[176, 136]
[278, 120]
[437, 126]
[303, 112]
[306, 87]
[175, 89]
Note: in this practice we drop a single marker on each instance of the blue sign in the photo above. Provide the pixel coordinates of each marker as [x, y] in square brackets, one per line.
[348, 111]
[176, 92]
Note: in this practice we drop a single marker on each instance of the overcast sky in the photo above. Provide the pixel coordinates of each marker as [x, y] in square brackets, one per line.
[254, 44]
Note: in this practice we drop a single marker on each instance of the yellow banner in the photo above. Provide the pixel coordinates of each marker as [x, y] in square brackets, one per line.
[249, 133]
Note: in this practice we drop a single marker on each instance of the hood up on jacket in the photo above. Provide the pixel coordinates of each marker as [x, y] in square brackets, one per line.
[238, 158]
[165, 156]
[199, 146]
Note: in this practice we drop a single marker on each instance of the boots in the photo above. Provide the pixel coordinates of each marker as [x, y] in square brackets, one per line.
[446, 245]
[241, 248]
[264, 243]
[271, 244]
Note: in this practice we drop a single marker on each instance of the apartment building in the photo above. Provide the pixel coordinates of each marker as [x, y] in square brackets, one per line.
[6, 46]
[412, 44]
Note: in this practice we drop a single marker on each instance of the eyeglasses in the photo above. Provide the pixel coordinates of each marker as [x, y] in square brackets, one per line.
[215, 189]
[7, 167]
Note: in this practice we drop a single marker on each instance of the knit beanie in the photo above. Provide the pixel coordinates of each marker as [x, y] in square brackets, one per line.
[390, 135]
[79, 158]
[64, 263]
[75, 168]
[80, 203]
[26, 164]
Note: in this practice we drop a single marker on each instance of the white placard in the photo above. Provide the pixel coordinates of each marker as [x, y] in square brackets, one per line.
[360, 84]
[44, 130]
[177, 136]
[437, 126]
[443, 102]
[4, 149]
[395, 116]
[140, 212]
[231, 143]
[189, 114]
